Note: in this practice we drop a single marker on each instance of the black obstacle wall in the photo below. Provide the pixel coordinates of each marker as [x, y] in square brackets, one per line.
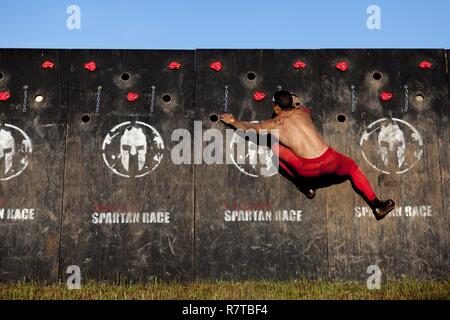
[407, 243]
[230, 244]
[152, 234]
[87, 178]
[32, 162]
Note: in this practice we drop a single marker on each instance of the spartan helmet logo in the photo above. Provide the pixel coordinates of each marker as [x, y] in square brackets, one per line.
[132, 149]
[261, 153]
[391, 145]
[7, 149]
[133, 142]
[391, 139]
[15, 148]
[254, 159]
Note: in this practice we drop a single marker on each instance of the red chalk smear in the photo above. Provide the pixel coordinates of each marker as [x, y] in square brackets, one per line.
[258, 96]
[343, 66]
[132, 96]
[91, 66]
[217, 66]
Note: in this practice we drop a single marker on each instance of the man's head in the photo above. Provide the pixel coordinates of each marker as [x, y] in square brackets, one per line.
[282, 101]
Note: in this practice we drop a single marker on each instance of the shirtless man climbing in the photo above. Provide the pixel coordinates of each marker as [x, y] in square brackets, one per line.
[303, 153]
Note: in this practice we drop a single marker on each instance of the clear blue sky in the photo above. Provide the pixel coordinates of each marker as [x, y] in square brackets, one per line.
[190, 24]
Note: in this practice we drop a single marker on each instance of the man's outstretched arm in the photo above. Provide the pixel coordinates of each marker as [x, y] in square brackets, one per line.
[245, 125]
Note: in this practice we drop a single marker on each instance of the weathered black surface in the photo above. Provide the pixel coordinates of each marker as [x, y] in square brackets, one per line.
[128, 250]
[444, 142]
[29, 248]
[67, 179]
[399, 245]
[256, 249]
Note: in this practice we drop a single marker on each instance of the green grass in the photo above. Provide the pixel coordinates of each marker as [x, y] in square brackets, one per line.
[300, 289]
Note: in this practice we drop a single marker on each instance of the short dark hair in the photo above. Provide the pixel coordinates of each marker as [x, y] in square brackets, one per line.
[283, 99]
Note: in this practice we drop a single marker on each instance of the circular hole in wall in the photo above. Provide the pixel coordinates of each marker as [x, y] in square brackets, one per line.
[341, 118]
[377, 76]
[251, 76]
[85, 118]
[420, 97]
[38, 98]
[213, 118]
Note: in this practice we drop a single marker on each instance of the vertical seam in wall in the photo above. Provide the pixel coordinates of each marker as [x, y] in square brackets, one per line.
[446, 64]
[323, 131]
[440, 175]
[194, 271]
[68, 83]
[440, 132]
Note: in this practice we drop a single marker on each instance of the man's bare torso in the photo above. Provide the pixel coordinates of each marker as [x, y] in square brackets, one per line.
[297, 132]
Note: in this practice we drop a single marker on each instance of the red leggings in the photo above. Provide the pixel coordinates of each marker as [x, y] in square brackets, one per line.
[331, 162]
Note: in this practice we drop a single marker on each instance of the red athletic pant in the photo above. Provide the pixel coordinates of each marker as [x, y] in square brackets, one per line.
[331, 162]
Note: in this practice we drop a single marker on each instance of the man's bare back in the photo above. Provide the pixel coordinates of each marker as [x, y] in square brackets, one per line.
[298, 133]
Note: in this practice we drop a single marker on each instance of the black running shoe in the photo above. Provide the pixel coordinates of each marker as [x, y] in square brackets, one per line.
[382, 208]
